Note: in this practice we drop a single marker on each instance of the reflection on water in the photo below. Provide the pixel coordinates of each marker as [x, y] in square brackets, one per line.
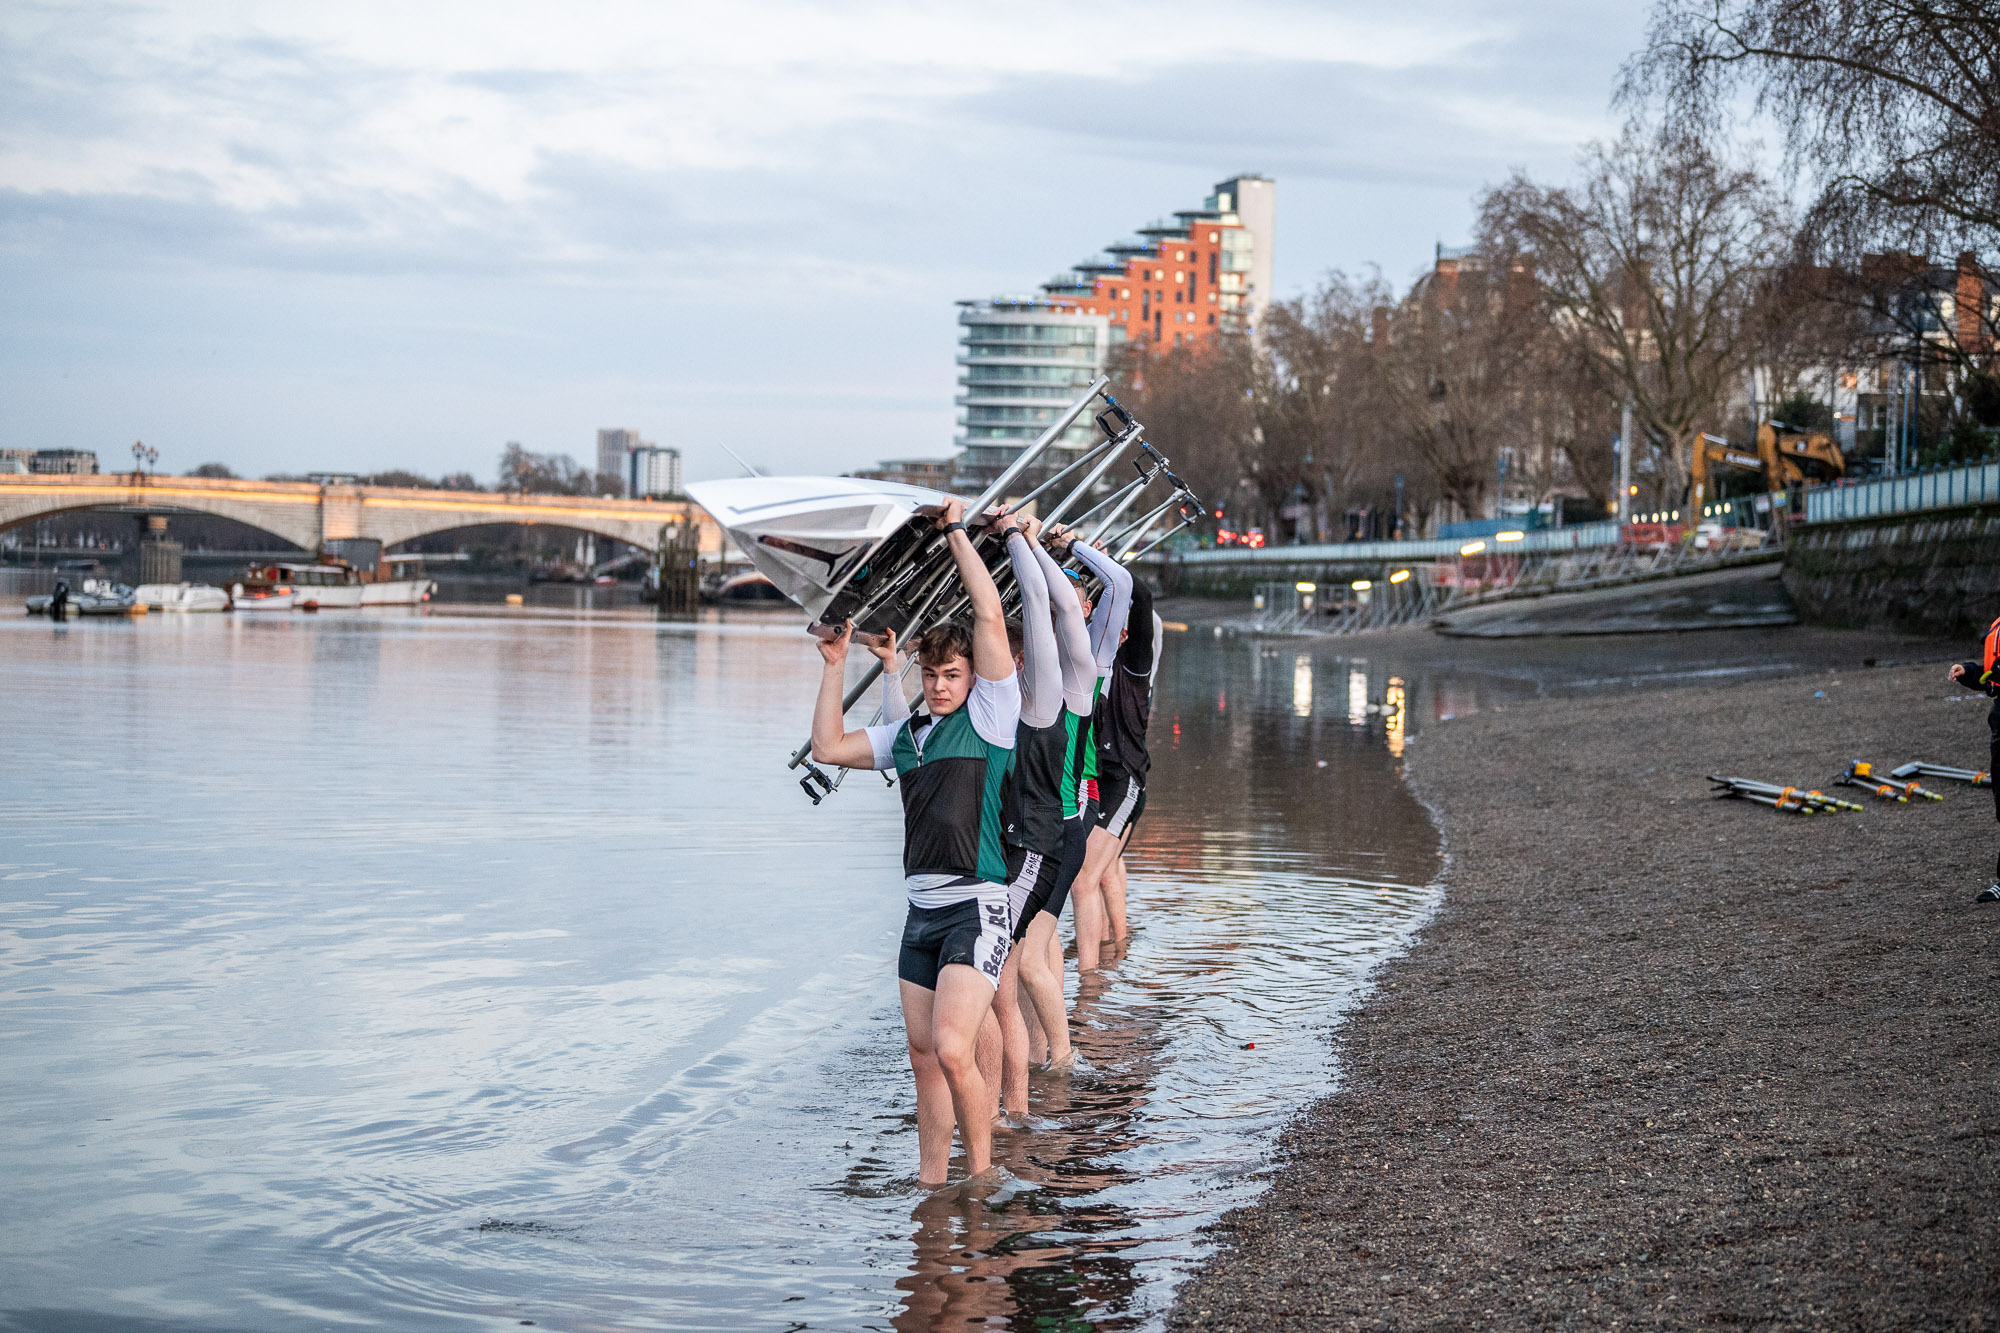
[418, 971]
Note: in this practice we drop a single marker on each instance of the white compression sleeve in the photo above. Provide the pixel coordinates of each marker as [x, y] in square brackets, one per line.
[1041, 666]
[1108, 616]
[1079, 669]
[895, 707]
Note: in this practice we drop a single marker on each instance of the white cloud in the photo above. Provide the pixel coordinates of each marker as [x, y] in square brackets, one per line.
[638, 203]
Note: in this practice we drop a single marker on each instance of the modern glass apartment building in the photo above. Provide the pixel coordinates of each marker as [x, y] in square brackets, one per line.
[1022, 360]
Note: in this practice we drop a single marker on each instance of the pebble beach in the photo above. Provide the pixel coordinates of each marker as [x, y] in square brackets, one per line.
[1663, 1059]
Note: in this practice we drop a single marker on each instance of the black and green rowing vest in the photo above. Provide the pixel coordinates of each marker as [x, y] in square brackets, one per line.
[951, 800]
[1034, 807]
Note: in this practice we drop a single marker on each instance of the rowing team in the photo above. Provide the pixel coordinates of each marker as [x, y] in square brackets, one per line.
[1021, 782]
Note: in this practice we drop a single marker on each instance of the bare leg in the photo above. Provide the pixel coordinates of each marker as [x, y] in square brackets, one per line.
[1114, 898]
[987, 1051]
[1041, 980]
[1038, 1037]
[933, 1093]
[964, 1001]
[1013, 1085]
[1088, 895]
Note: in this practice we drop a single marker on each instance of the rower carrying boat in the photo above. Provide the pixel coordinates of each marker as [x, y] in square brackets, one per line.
[845, 548]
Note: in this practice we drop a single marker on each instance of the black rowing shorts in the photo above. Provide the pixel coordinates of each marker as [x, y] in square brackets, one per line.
[1076, 840]
[977, 933]
[1122, 799]
[1034, 880]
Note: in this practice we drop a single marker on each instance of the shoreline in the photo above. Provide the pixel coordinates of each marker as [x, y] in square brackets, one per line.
[1661, 1058]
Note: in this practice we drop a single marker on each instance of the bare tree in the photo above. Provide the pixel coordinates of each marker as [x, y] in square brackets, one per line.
[1313, 396]
[1653, 267]
[523, 469]
[1195, 400]
[1450, 365]
[1891, 109]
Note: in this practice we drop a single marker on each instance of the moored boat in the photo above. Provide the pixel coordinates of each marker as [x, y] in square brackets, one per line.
[331, 584]
[181, 597]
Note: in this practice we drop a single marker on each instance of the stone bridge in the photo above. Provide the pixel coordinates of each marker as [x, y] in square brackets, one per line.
[309, 514]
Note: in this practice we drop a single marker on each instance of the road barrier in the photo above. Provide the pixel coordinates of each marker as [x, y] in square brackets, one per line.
[1934, 488]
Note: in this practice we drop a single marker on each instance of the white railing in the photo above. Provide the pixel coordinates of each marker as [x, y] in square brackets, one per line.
[1938, 488]
[1581, 537]
[1443, 587]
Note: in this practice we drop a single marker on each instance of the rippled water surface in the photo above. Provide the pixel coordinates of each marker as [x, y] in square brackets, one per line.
[425, 972]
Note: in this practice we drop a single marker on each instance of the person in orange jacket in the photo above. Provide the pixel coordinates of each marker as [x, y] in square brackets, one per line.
[1984, 676]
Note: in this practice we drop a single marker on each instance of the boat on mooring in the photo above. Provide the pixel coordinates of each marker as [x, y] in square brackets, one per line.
[94, 597]
[329, 583]
[180, 597]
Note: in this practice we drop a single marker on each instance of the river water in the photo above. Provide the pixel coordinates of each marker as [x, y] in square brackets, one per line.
[456, 971]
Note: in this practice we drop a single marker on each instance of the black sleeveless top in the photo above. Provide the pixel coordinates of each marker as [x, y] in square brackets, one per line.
[1033, 805]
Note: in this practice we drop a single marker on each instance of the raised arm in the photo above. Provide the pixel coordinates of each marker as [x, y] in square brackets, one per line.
[895, 704]
[1112, 610]
[1041, 667]
[832, 743]
[1136, 653]
[1079, 669]
[992, 659]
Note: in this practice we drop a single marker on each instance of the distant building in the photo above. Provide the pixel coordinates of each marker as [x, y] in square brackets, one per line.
[655, 471]
[613, 444]
[1024, 359]
[933, 473]
[1206, 271]
[16, 461]
[56, 462]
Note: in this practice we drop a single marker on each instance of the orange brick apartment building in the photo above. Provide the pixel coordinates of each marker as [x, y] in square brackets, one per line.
[1206, 271]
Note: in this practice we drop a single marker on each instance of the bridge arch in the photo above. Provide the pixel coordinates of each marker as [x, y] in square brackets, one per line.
[308, 514]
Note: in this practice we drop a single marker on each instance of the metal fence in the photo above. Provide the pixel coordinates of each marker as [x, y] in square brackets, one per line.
[1579, 537]
[1936, 488]
[1440, 587]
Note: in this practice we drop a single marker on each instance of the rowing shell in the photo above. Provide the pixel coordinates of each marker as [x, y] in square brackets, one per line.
[841, 547]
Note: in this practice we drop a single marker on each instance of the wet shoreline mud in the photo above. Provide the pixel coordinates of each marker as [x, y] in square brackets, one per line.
[1661, 1058]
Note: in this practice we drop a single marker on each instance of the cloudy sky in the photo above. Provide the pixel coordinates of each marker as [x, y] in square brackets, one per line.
[369, 235]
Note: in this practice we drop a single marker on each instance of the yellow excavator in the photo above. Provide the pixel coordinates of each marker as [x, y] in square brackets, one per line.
[1786, 456]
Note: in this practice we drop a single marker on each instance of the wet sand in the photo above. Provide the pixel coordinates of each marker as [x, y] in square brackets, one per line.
[1664, 1059]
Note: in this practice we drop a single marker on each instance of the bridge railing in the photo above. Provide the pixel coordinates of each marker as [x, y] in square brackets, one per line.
[1933, 488]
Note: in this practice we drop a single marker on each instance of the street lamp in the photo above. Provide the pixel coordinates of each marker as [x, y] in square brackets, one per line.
[142, 457]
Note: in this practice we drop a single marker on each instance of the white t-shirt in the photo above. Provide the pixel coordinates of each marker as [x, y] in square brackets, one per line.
[995, 706]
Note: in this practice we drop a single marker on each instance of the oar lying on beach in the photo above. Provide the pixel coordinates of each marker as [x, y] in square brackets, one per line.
[1917, 768]
[1862, 774]
[1781, 798]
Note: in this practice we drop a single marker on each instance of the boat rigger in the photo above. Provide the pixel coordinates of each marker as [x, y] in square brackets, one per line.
[847, 549]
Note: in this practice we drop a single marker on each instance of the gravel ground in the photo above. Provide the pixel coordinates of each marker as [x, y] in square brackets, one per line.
[1662, 1059]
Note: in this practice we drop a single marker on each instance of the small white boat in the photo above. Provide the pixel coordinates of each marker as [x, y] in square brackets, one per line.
[181, 597]
[830, 542]
[102, 597]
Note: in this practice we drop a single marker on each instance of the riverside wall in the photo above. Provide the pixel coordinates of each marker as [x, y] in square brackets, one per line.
[1934, 573]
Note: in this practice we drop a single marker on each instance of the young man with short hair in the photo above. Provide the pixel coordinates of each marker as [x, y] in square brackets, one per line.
[951, 763]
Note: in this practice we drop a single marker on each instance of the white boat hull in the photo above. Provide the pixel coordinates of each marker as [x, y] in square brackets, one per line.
[327, 596]
[181, 597]
[397, 592]
[268, 601]
[810, 535]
